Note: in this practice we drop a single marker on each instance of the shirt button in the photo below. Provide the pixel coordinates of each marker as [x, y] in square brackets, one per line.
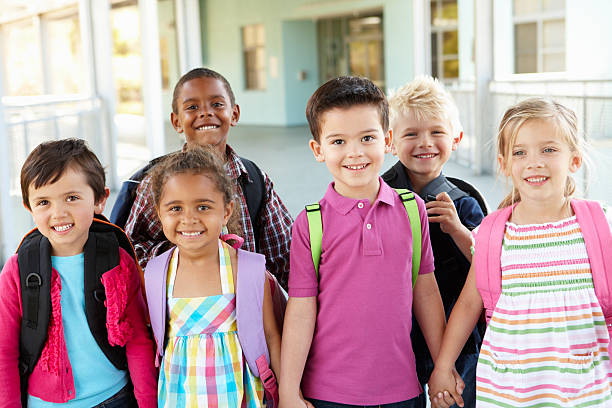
[360, 205]
[369, 226]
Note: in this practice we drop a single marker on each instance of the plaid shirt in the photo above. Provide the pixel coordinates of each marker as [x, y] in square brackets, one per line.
[144, 228]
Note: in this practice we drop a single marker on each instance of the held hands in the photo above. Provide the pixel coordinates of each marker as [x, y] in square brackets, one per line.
[445, 388]
[443, 211]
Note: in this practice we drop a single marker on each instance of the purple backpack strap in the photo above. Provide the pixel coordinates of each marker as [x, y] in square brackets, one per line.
[156, 276]
[251, 278]
[598, 241]
[487, 257]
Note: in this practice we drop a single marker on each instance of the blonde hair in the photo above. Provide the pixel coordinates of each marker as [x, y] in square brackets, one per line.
[426, 98]
[562, 118]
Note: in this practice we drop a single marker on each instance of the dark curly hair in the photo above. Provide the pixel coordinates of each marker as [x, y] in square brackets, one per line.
[200, 73]
[202, 161]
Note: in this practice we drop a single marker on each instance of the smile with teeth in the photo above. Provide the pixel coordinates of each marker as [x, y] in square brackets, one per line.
[536, 179]
[207, 127]
[62, 228]
[356, 166]
[426, 156]
[191, 234]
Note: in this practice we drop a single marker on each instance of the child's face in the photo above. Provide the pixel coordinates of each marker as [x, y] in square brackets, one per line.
[540, 163]
[63, 212]
[353, 144]
[423, 146]
[192, 212]
[205, 113]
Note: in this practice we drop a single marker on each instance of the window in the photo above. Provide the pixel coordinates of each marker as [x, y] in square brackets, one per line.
[254, 49]
[63, 53]
[539, 36]
[22, 58]
[444, 39]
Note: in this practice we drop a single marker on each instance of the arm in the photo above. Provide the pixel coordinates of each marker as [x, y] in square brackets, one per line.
[463, 318]
[443, 211]
[429, 311]
[143, 227]
[10, 327]
[275, 234]
[298, 330]
[140, 348]
[273, 338]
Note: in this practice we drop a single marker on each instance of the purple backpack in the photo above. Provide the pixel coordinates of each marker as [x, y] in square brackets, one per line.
[597, 239]
[249, 311]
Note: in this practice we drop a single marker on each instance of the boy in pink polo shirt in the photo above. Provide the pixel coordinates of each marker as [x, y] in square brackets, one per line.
[346, 339]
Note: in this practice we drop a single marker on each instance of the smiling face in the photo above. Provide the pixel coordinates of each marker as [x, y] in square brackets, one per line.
[541, 161]
[353, 145]
[423, 145]
[63, 212]
[192, 212]
[205, 113]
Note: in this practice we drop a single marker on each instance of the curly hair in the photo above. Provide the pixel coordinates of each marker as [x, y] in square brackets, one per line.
[200, 161]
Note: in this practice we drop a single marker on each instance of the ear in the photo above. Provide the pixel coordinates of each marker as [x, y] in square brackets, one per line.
[457, 140]
[229, 209]
[316, 150]
[99, 206]
[176, 123]
[503, 167]
[575, 162]
[389, 141]
[235, 115]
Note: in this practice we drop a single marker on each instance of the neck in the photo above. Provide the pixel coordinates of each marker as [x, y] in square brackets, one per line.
[419, 181]
[203, 256]
[368, 192]
[537, 212]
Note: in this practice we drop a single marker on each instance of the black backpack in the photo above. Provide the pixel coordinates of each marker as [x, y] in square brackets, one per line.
[254, 193]
[34, 260]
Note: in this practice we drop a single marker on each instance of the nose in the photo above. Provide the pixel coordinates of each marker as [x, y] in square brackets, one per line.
[205, 111]
[355, 150]
[58, 210]
[535, 161]
[188, 216]
[425, 140]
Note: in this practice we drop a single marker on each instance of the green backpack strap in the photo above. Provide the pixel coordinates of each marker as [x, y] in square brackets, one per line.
[412, 209]
[315, 227]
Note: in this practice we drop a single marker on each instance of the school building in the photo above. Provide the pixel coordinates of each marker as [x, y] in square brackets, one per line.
[104, 70]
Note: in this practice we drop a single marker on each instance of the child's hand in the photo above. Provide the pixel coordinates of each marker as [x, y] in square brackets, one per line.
[295, 402]
[443, 211]
[445, 388]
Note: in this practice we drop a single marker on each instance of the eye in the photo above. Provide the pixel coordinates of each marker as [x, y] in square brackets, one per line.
[518, 153]
[438, 133]
[174, 208]
[549, 150]
[410, 134]
[368, 138]
[203, 207]
[191, 107]
[42, 203]
[72, 198]
[218, 104]
[337, 142]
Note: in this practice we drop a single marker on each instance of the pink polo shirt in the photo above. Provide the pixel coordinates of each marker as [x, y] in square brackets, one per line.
[361, 352]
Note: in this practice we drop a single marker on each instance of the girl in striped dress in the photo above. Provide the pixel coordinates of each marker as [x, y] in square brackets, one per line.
[203, 364]
[546, 343]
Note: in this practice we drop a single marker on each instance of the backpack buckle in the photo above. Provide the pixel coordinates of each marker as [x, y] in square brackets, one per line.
[23, 366]
[100, 295]
[33, 281]
[313, 207]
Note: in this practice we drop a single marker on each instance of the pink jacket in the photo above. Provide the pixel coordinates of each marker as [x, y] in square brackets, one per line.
[52, 377]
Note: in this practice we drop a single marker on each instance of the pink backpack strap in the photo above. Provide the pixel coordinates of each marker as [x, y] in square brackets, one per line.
[156, 276]
[251, 278]
[598, 241]
[487, 257]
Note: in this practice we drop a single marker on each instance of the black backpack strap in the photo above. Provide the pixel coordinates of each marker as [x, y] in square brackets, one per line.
[442, 184]
[472, 191]
[34, 260]
[254, 193]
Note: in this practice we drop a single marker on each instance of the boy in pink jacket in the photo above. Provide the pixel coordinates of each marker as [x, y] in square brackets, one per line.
[72, 315]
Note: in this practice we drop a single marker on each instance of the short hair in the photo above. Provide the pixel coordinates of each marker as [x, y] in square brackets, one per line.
[200, 73]
[49, 160]
[200, 160]
[345, 92]
[426, 98]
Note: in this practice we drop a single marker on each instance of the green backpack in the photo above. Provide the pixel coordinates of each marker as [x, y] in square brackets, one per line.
[315, 226]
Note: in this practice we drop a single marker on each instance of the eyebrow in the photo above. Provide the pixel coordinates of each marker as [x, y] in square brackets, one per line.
[38, 197]
[343, 134]
[201, 200]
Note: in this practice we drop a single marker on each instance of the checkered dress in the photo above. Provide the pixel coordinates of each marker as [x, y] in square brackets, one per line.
[203, 363]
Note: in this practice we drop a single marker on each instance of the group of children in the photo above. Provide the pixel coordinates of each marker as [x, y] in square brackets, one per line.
[363, 261]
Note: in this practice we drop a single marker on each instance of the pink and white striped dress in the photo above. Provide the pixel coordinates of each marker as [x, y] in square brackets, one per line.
[547, 342]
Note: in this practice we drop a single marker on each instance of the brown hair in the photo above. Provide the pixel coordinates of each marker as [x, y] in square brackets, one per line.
[49, 160]
[200, 73]
[196, 160]
[345, 92]
[562, 118]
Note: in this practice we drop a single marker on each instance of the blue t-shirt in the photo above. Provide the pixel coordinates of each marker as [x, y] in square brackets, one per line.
[95, 378]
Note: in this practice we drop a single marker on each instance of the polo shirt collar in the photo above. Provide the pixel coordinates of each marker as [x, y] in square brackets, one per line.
[344, 204]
